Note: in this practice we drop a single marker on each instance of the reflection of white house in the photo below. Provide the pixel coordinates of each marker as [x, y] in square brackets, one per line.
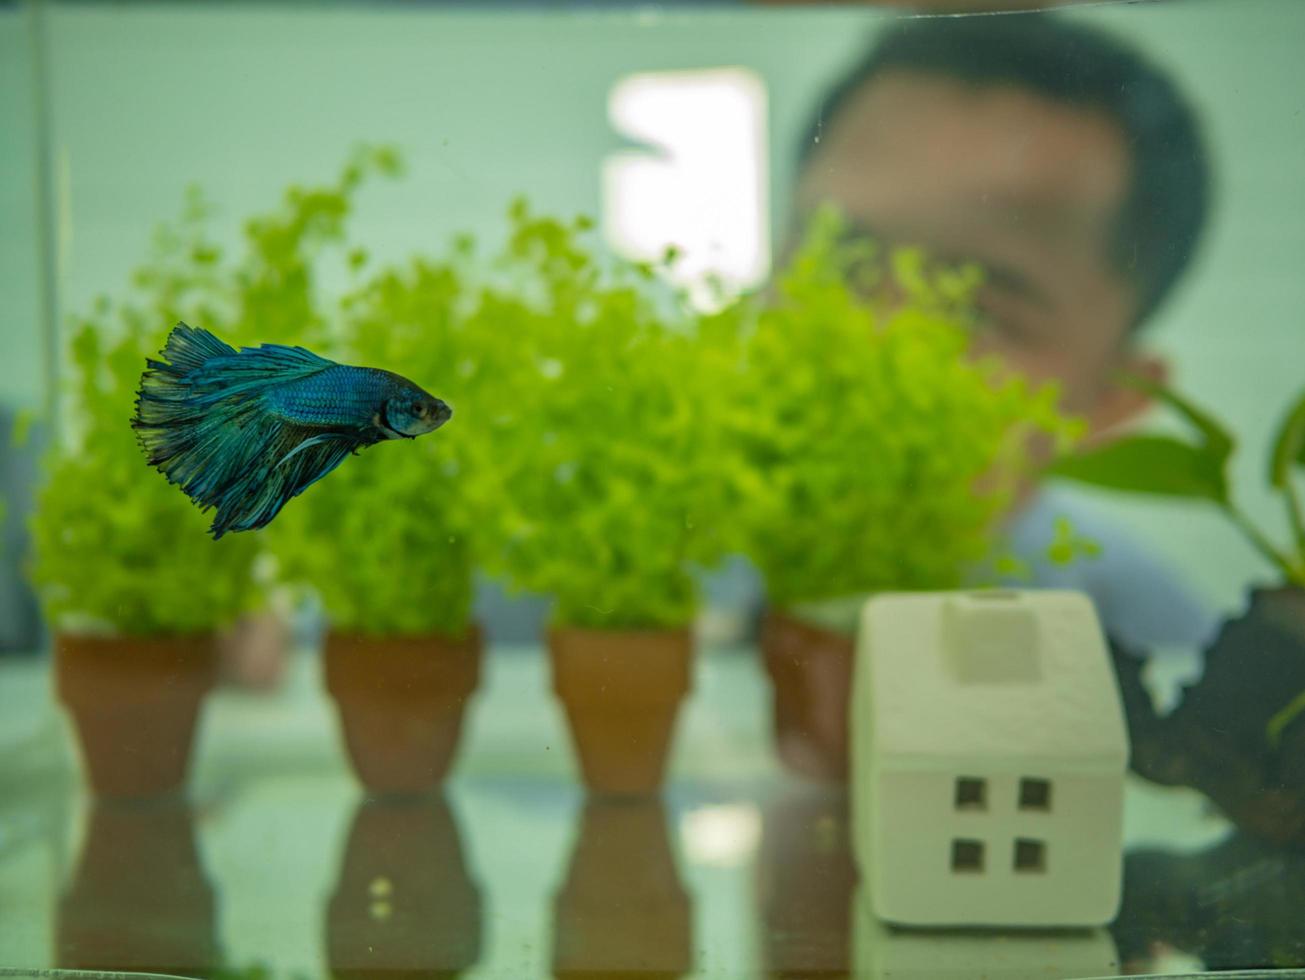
[988, 759]
[881, 952]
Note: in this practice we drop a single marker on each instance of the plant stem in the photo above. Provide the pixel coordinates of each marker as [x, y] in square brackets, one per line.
[1283, 718]
[1262, 544]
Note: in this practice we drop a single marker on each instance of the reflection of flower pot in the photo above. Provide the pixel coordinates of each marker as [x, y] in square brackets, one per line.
[139, 900]
[810, 671]
[1217, 740]
[401, 700]
[134, 703]
[622, 691]
[622, 910]
[405, 903]
[805, 884]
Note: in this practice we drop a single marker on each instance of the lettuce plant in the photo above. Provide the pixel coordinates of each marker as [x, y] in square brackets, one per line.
[879, 454]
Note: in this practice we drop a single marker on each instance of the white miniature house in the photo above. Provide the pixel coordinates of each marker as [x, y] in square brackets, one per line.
[988, 757]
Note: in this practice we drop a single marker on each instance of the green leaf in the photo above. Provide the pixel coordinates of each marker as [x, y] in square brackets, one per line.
[1067, 547]
[1149, 464]
[1218, 440]
[1288, 445]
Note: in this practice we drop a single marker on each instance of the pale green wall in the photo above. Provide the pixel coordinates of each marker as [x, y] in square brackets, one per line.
[21, 382]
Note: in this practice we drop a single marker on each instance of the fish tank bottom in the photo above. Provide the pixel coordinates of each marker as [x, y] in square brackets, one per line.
[275, 862]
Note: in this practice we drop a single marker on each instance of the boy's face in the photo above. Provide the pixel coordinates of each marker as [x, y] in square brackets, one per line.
[1027, 188]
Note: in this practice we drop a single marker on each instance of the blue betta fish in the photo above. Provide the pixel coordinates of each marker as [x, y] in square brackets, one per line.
[246, 431]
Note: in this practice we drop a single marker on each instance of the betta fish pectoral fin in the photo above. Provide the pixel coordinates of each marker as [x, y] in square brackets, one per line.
[245, 431]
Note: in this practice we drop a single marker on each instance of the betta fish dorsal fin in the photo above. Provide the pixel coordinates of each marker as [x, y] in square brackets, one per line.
[255, 370]
[283, 361]
[189, 348]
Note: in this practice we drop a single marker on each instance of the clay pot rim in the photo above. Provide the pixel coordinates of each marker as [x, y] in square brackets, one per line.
[556, 629]
[92, 638]
[473, 631]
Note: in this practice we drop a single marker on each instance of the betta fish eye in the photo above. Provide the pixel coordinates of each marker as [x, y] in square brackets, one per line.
[422, 410]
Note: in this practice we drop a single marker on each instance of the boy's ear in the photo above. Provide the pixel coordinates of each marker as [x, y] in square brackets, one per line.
[1120, 403]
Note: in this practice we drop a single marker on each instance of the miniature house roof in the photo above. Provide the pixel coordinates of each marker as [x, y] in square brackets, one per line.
[998, 677]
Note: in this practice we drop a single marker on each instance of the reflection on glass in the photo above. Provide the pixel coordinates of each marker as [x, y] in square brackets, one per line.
[881, 951]
[622, 909]
[805, 881]
[405, 900]
[1235, 735]
[1234, 905]
[140, 899]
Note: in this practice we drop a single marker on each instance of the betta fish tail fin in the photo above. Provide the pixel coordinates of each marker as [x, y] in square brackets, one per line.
[203, 421]
[165, 405]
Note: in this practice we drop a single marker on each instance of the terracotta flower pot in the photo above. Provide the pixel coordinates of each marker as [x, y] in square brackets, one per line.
[134, 702]
[139, 899]
[401, 701]
[622, 911]
[405, 904]
[621, 691]
[810, 672]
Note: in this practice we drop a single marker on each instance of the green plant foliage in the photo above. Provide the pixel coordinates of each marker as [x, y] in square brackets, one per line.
[115, 547]
[879, 455]
[1067, 546]
[1288, 445]
[1155, 465]
[387, 540]
[1164, 466]
[605, 456]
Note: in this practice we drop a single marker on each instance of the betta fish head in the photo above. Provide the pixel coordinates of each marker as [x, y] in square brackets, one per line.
[414, 413]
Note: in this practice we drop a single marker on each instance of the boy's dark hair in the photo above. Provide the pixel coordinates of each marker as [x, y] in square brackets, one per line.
[1162, 216]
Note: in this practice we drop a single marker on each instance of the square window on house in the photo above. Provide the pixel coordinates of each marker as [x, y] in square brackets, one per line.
[1030, 855]
[1035, 794]
[967, 855]
[971, 793]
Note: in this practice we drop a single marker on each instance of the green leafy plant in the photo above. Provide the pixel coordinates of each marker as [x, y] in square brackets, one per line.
[387, 541]
[115, 548]
[606, 461]
[880, 454]
[1197, 469]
